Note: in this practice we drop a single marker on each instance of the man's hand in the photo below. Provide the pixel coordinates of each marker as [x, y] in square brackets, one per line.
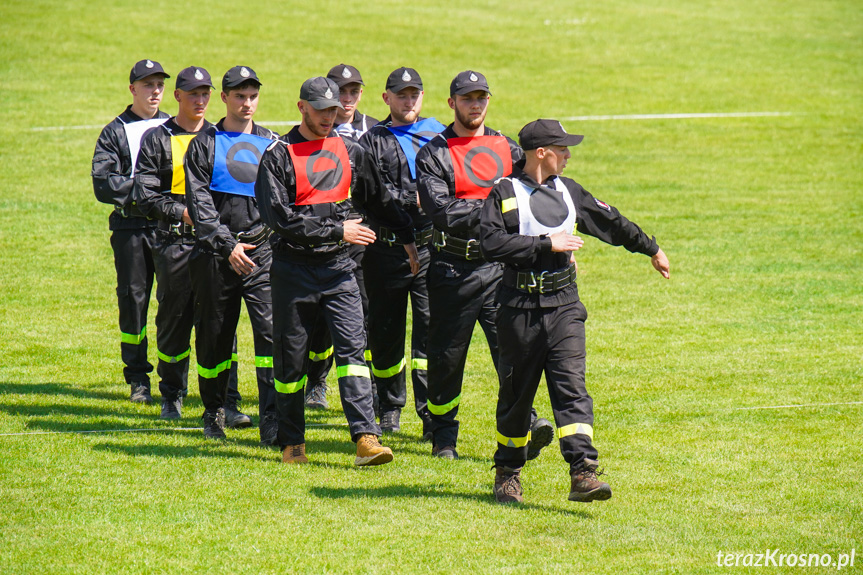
[564, 242]
[660, 262]
[239, 261]
[414, 257]
[356, 233]
[186, 217]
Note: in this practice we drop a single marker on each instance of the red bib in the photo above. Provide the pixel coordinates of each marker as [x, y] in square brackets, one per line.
[323, 171]
[478, 163]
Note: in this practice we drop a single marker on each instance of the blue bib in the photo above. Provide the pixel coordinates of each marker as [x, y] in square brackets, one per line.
[413, 137]
[235, 165]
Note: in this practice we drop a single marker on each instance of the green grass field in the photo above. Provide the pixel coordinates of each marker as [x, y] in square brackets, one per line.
[761, 217]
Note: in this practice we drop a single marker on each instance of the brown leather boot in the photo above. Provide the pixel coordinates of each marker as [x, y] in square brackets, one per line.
[295, 454]
[585, 485]
[507, 485]
[371, 452]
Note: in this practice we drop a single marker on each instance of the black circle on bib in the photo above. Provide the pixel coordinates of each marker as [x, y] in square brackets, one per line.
[548, 208]
[243, 172]
[328, 178]
[473, 176]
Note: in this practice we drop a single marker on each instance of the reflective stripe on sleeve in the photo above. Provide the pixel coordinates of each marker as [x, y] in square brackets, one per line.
[508, 204]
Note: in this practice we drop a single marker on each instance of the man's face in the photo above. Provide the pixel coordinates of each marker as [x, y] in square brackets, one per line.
[349, 96]
[405, 106]
[555, 158]
[193, 104]
[241, 103]
[318, 122]
[147, 92]
[470, 108]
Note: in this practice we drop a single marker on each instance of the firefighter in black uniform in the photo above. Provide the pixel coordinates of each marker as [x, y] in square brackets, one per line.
[231, 258]
[307, 185]
[350, 123]
[528, 223]
[133, 235]
[393, 145]
[455, 172]
[160, 194]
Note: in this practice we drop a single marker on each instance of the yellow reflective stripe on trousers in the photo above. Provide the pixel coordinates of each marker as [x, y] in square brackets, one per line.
[368, 354]
[573, 428]
[352, 370]
[441, 409]
[292, 387]
[263, 361]
[214, 372]
[513, 441]
[321, 356]
[132, 338]
[420, 363]
[508, 204]
[235, 357]
[175, 359]
[394, 370]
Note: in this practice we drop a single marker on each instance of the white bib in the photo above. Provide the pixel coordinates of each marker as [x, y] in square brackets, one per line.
[542, 211]
[134, 133]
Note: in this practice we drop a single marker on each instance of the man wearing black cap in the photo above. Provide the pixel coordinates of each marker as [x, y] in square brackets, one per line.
[455, 172]
[160, 194]
[133, 234]
[306, 188]
[350, 123]
[528, 223]
[231, 259]
[393, 145]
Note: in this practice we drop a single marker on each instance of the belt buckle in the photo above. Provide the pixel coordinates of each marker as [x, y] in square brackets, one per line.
[467, 248]
[175, 228]
[540, 281]
[440, 246]
[391, 237]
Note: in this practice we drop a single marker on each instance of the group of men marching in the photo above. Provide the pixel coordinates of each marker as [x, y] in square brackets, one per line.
[328, 233]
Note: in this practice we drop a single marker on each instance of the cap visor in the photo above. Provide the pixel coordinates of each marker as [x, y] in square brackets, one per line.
[399, 87]
[324, 104]
[469, 89]
[571, 140]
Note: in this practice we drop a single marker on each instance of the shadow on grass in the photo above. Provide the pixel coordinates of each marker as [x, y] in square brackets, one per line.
[426, 491]
[206, 448]
[67, 412]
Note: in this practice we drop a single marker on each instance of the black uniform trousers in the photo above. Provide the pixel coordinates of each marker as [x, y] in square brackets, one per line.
[389, 283]
[304, 296]
[218, 293]
[321, 350]
[532, 341]
[461, 292]
[175, 317]
[133, 260]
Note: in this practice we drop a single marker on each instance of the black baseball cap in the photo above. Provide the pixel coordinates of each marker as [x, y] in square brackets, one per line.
[468, 81]
[321, 93]
[344, 74]
[193, 77]
[237, 75]
[542, 133]
[402, 78]
[145, 68]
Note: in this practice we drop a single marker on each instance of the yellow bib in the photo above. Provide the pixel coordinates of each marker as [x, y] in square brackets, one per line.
[179, 145]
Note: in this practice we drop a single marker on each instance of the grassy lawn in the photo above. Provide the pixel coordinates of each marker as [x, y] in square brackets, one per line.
[761, 217]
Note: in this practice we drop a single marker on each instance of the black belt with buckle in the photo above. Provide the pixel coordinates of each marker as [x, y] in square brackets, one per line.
[179, 229]
[421, 237]
[256, 236]
[545, 282]
[467, 249]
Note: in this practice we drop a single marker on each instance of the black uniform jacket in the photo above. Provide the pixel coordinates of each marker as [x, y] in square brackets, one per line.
[154, 173]
[501, 241]
[361, 124]
[394, 172]
[436, 185]
[314, 232]
[112, 172]
[217, 216]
